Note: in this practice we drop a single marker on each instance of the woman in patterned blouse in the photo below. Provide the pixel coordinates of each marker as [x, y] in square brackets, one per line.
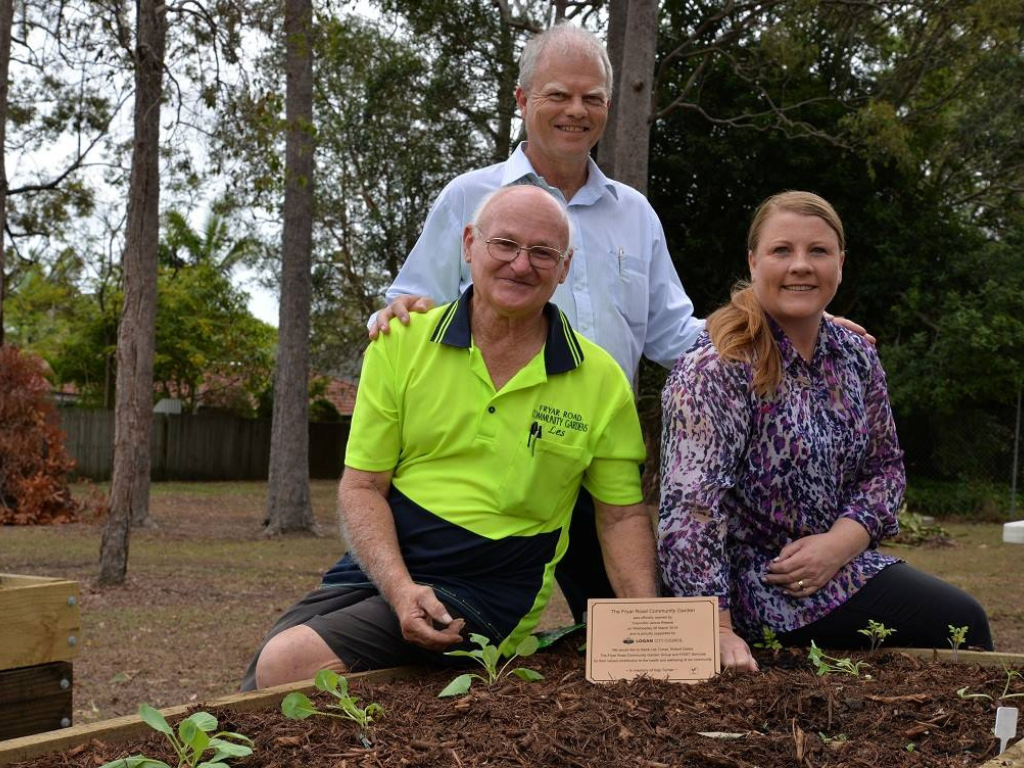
[781, 471]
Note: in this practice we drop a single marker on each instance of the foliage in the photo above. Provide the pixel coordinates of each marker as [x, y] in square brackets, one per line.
[918, 159]
[322, 411]
[769, 641]
[297, 706]
[915, 531]
[192, 741]
[372, 192]
[34, 466]
[965, 498]
[208, 345]
[488, 657]
[209, 348]
[826, 665]
[876, 632]
[957, 637]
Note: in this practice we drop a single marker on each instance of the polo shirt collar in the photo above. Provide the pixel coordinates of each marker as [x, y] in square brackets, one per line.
[519, 170]
[562, 351]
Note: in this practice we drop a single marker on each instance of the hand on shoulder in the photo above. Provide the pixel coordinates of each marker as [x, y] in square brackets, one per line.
[398, 309]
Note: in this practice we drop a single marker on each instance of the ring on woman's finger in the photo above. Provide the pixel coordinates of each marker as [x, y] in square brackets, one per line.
[800, 584]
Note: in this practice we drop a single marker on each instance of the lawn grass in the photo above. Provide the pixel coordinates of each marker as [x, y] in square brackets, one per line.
[205, 585]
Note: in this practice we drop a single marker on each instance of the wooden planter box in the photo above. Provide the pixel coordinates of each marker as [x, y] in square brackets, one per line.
[39, 636]
[124, 728]
[131, 726]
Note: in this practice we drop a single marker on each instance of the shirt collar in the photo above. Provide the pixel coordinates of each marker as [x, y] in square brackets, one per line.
[828, 342]
[519, 170]
[562, 351]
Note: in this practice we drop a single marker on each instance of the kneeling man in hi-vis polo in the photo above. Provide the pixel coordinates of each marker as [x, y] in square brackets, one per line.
[474, 428]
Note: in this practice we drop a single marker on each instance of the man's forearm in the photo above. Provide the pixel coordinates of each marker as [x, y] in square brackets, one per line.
[368, 526]
[628, 548]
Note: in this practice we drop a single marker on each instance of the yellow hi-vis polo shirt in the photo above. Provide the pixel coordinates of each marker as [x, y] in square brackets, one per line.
[484, 481]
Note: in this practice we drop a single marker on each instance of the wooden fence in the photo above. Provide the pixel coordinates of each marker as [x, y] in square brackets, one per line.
[198, 447]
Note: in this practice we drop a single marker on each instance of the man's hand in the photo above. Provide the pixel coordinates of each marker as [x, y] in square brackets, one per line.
[849, 325]
[399, 308]
[418, 611]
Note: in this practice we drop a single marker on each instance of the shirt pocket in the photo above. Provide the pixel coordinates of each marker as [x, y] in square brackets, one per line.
[631, 290]
[539, 478]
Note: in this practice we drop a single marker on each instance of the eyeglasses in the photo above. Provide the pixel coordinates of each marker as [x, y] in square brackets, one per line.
[540, 256]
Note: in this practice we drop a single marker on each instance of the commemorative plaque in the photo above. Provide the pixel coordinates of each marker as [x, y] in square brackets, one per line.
[668, 638]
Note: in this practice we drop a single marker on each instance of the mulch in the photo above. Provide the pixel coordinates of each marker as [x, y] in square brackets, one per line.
[906, 713]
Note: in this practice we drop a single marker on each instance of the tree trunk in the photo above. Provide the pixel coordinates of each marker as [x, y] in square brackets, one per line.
[288, 498]
[133, 419]
[618, 11]
[508, 73]
[629, 127]
[6, 21]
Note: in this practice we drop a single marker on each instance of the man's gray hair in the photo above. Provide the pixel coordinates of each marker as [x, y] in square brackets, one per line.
[563, 39]
[502, 191]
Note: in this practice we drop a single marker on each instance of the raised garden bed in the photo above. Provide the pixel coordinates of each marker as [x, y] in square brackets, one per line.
[39, 636]
[907, 713]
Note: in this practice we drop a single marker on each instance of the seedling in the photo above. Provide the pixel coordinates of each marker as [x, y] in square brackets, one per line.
[192, 741]
[957, 636]
[876, 631]
[1011, 674]
[826, 665]
[769, 640]
[297, 706]
[488, 657]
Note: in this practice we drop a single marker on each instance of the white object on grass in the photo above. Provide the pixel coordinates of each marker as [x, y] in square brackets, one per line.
[1006, 726]
[1013, 533]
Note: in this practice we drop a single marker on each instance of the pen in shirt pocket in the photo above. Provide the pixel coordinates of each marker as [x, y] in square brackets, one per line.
[621, 253]
[535, 434]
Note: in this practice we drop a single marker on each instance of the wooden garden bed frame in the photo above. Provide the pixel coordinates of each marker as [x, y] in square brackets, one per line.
[130, 726]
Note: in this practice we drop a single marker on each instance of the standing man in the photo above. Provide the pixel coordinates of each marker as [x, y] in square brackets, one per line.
[473, 430]
[622, 291]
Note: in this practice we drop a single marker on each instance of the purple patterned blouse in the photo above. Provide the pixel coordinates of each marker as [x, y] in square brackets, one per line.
[742, 475]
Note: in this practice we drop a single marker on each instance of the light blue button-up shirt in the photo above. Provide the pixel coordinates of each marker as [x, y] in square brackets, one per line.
[622, 291]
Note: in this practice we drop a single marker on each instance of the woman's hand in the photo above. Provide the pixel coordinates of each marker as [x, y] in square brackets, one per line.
[735, 652]
[806, 565]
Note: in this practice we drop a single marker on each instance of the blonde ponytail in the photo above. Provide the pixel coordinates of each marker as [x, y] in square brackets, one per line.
[740, 332]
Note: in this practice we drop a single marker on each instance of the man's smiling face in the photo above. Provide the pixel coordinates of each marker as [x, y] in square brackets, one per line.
[528, 216]
[566, 107]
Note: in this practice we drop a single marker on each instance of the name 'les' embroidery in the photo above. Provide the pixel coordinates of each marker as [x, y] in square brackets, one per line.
[559, 420]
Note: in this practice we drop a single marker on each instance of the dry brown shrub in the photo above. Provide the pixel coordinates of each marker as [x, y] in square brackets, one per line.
[34, 466]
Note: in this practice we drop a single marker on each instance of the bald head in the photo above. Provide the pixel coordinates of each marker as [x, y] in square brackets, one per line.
[518, 251]
[506, 205]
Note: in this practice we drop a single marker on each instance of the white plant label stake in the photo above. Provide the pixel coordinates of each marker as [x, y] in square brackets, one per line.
[1006, 726]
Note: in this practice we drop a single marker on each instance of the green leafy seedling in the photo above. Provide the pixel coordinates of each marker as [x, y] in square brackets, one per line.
[769, 640]
[191, 742]
[876, 631]
[957, 636]
[826, 665]
[488, 657]
[297, 706]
